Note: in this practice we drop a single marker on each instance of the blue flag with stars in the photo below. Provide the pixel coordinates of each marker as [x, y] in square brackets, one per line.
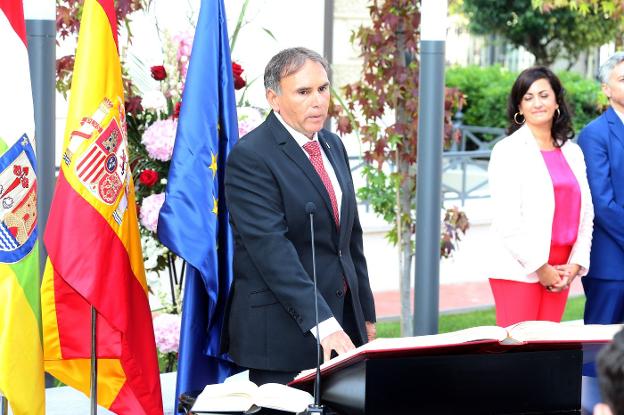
[193, 221]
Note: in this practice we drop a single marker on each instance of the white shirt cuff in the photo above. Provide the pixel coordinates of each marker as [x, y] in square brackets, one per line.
[327, 327]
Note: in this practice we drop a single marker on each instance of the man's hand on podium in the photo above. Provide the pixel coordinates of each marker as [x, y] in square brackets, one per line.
[371, 331]
[338, 341]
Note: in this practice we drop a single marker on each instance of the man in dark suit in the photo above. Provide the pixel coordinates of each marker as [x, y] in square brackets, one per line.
[271, 176]
[602, 142]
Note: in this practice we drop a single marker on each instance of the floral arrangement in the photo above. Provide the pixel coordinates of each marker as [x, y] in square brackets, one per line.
[152, 114]
[167, 336]
[152, 124]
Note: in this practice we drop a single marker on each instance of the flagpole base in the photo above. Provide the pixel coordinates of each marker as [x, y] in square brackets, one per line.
[315, 409]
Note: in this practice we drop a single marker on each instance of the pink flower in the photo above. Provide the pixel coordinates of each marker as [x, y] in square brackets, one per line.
[167, 332]
[159, 138]
[184, 43]
[248, 119]
[150, 208]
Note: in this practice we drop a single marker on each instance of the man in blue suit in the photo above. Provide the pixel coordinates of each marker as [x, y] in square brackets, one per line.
[602, 142]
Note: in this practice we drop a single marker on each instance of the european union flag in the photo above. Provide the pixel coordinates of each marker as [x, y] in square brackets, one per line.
[193, 221]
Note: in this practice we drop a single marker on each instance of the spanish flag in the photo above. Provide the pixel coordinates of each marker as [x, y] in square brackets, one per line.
[92, 238]
[21, 355]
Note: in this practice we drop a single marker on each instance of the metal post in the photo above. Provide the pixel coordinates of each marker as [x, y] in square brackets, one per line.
[93, 394]
[328, 43]
[4, 405]
[41, 34]
[429, 176]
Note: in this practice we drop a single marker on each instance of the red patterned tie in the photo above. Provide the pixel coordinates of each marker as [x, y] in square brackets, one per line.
[314, 150]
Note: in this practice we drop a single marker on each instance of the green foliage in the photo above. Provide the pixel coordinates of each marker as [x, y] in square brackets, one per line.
[546, 33]
[483, 317]
[486, 90]
[377, 193]
[386, 98]
[611, 8]
[388, 86]
[382, 108]
[167, 362]
[585, 98]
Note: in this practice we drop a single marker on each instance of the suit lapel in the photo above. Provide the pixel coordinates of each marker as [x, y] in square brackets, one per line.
[292, 150]
[615, 125]
[340, 169]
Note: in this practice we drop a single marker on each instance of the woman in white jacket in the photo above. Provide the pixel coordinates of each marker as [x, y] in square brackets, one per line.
[543, 214]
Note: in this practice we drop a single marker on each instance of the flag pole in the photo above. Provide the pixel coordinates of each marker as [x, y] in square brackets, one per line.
[4, 405]
[172, 284]
[93, 361]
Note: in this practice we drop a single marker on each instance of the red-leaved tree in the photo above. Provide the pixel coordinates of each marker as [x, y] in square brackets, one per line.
[68, 14]
[388, 88]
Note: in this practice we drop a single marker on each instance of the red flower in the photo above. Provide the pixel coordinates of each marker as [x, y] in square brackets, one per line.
[237, 71]
[158, 72]
[148, 177]
[176, 109]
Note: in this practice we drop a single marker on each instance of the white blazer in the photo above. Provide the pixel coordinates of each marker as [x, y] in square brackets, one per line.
[523, 208]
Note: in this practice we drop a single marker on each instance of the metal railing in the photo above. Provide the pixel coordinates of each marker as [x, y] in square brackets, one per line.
[464, 164]
[464, 171]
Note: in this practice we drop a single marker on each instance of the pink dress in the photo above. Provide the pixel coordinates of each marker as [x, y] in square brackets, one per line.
[567, 207]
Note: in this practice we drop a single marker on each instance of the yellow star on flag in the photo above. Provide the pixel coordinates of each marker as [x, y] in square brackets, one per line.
[213, 165]
[215, 207]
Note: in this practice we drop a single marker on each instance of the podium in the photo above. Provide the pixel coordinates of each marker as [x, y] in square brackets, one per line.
[516, 381]
[533, 367]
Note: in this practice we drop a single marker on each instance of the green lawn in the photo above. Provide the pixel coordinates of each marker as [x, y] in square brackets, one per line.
[484, 317]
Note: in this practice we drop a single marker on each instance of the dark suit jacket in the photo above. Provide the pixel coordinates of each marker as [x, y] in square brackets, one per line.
[602, 142]
[268, 182]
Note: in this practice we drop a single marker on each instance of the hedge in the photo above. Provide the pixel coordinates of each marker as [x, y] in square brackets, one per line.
[486, 90]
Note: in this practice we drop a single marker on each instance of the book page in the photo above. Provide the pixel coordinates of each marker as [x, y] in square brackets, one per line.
[236, 396]
[282, 397]
[469, 335]
[535, 331]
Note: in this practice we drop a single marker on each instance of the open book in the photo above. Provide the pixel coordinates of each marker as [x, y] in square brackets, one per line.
[244, 396]
[481, 339]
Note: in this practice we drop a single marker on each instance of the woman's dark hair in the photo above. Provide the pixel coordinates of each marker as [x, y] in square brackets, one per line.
[562, 123]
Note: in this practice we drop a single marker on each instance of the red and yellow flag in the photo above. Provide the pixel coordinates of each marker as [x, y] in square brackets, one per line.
[93, 240]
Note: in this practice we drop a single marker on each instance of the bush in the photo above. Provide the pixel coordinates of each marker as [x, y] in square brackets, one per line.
[585, 98]
[486, 90]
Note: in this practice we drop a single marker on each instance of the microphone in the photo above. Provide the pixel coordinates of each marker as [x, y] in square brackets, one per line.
[315, 408]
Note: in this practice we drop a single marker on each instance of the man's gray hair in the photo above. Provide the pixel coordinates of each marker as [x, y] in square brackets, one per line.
[287, 62]
[607, 67]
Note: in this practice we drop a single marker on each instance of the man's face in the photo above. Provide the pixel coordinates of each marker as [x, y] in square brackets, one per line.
[614, 88]
[304, 99]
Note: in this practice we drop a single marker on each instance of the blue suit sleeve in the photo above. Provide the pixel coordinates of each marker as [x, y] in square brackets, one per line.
[608, 214]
